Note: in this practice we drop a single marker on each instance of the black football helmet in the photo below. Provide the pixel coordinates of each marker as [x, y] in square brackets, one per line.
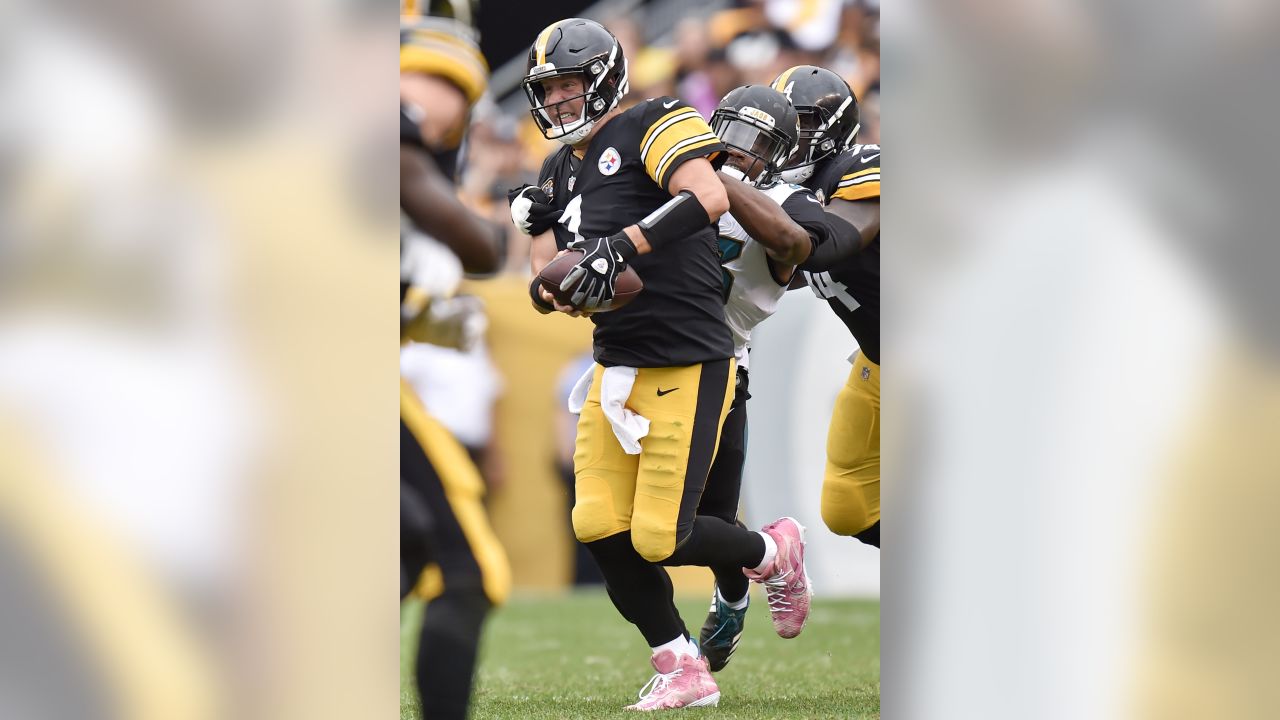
[828, 116]
[568, 47]
[760, 123]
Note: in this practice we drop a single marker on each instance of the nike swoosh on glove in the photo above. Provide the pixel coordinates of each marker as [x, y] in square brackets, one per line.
[531, 210]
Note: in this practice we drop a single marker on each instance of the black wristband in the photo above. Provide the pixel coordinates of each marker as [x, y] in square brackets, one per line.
[678, 219]
[541, 305]
[623, 247]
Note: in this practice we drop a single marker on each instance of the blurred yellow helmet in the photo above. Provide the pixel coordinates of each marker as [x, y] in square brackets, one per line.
[438, 37]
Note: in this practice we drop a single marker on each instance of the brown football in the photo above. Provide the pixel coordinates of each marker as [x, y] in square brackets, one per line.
[625, 288]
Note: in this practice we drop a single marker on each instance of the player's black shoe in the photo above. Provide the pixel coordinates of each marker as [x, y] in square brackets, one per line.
[720, 632]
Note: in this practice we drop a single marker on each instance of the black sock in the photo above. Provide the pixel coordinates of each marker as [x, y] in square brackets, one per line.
[447, 653]
[732, 583]
[871, 535]
[640, 590]
[716, 543]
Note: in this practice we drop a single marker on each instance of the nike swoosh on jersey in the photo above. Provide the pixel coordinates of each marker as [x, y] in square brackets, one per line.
[869, 158]
[812, 199]
[669, 105]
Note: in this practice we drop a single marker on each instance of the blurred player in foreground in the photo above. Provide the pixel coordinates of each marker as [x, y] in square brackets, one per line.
[448, 549]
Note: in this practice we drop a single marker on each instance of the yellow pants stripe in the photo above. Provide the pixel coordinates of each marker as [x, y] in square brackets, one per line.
[464, 490]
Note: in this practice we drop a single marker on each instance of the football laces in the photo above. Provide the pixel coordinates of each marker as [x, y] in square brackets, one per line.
[658, 683]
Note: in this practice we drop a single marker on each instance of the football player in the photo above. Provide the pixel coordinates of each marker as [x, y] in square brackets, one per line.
[847, 177]
[639, 188]
[772, 227]
[448, 549]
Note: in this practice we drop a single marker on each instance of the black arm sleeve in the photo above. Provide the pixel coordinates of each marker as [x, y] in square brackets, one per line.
[682, 216]
[833, 237]
[838, 241]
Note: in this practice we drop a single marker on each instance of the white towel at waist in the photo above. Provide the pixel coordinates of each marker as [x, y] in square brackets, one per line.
[615, 387]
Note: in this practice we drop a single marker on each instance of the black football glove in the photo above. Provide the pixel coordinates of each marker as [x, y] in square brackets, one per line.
[531, 210]
[593, 277]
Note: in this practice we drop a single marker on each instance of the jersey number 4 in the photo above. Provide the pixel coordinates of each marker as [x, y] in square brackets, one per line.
[828, 289]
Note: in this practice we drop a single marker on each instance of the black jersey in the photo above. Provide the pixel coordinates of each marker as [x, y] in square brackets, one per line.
[411, 135]
[622, 177]
[852, 288]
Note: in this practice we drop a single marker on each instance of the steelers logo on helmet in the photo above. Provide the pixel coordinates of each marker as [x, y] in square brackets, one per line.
[576, 73]
[828, 114]
[761, 129]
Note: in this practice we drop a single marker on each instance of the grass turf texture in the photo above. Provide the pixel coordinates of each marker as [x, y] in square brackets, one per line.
[574, 657]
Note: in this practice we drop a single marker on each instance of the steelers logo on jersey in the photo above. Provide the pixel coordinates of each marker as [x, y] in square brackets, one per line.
[609, 162]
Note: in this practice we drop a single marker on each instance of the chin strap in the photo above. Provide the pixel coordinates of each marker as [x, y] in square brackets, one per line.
[797, 176]
[575, 137]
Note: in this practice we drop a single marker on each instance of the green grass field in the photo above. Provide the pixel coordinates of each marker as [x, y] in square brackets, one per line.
[573, 657]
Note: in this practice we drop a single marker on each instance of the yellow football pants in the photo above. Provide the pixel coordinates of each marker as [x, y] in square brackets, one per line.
[851, 486]
[654, 494]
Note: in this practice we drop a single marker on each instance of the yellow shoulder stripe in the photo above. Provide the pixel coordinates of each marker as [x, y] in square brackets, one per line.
[860, 173]
[663, 123]
[691, 144]
[676, 136]
[859, 192]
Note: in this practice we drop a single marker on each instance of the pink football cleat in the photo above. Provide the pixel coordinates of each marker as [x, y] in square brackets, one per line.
[682, 681]
[786, 584]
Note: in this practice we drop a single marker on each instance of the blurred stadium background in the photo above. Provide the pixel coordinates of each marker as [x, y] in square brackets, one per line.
[507, 399]
[196, 393]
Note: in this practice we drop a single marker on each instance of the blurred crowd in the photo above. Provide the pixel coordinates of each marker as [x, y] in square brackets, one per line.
[700, 60]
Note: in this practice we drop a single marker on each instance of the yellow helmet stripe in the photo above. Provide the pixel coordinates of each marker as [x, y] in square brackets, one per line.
[781, 84]
[543, 37]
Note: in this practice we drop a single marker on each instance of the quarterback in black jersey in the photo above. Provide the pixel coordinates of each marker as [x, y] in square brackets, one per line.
[449, 554]
[846, 177]
[639, 188]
